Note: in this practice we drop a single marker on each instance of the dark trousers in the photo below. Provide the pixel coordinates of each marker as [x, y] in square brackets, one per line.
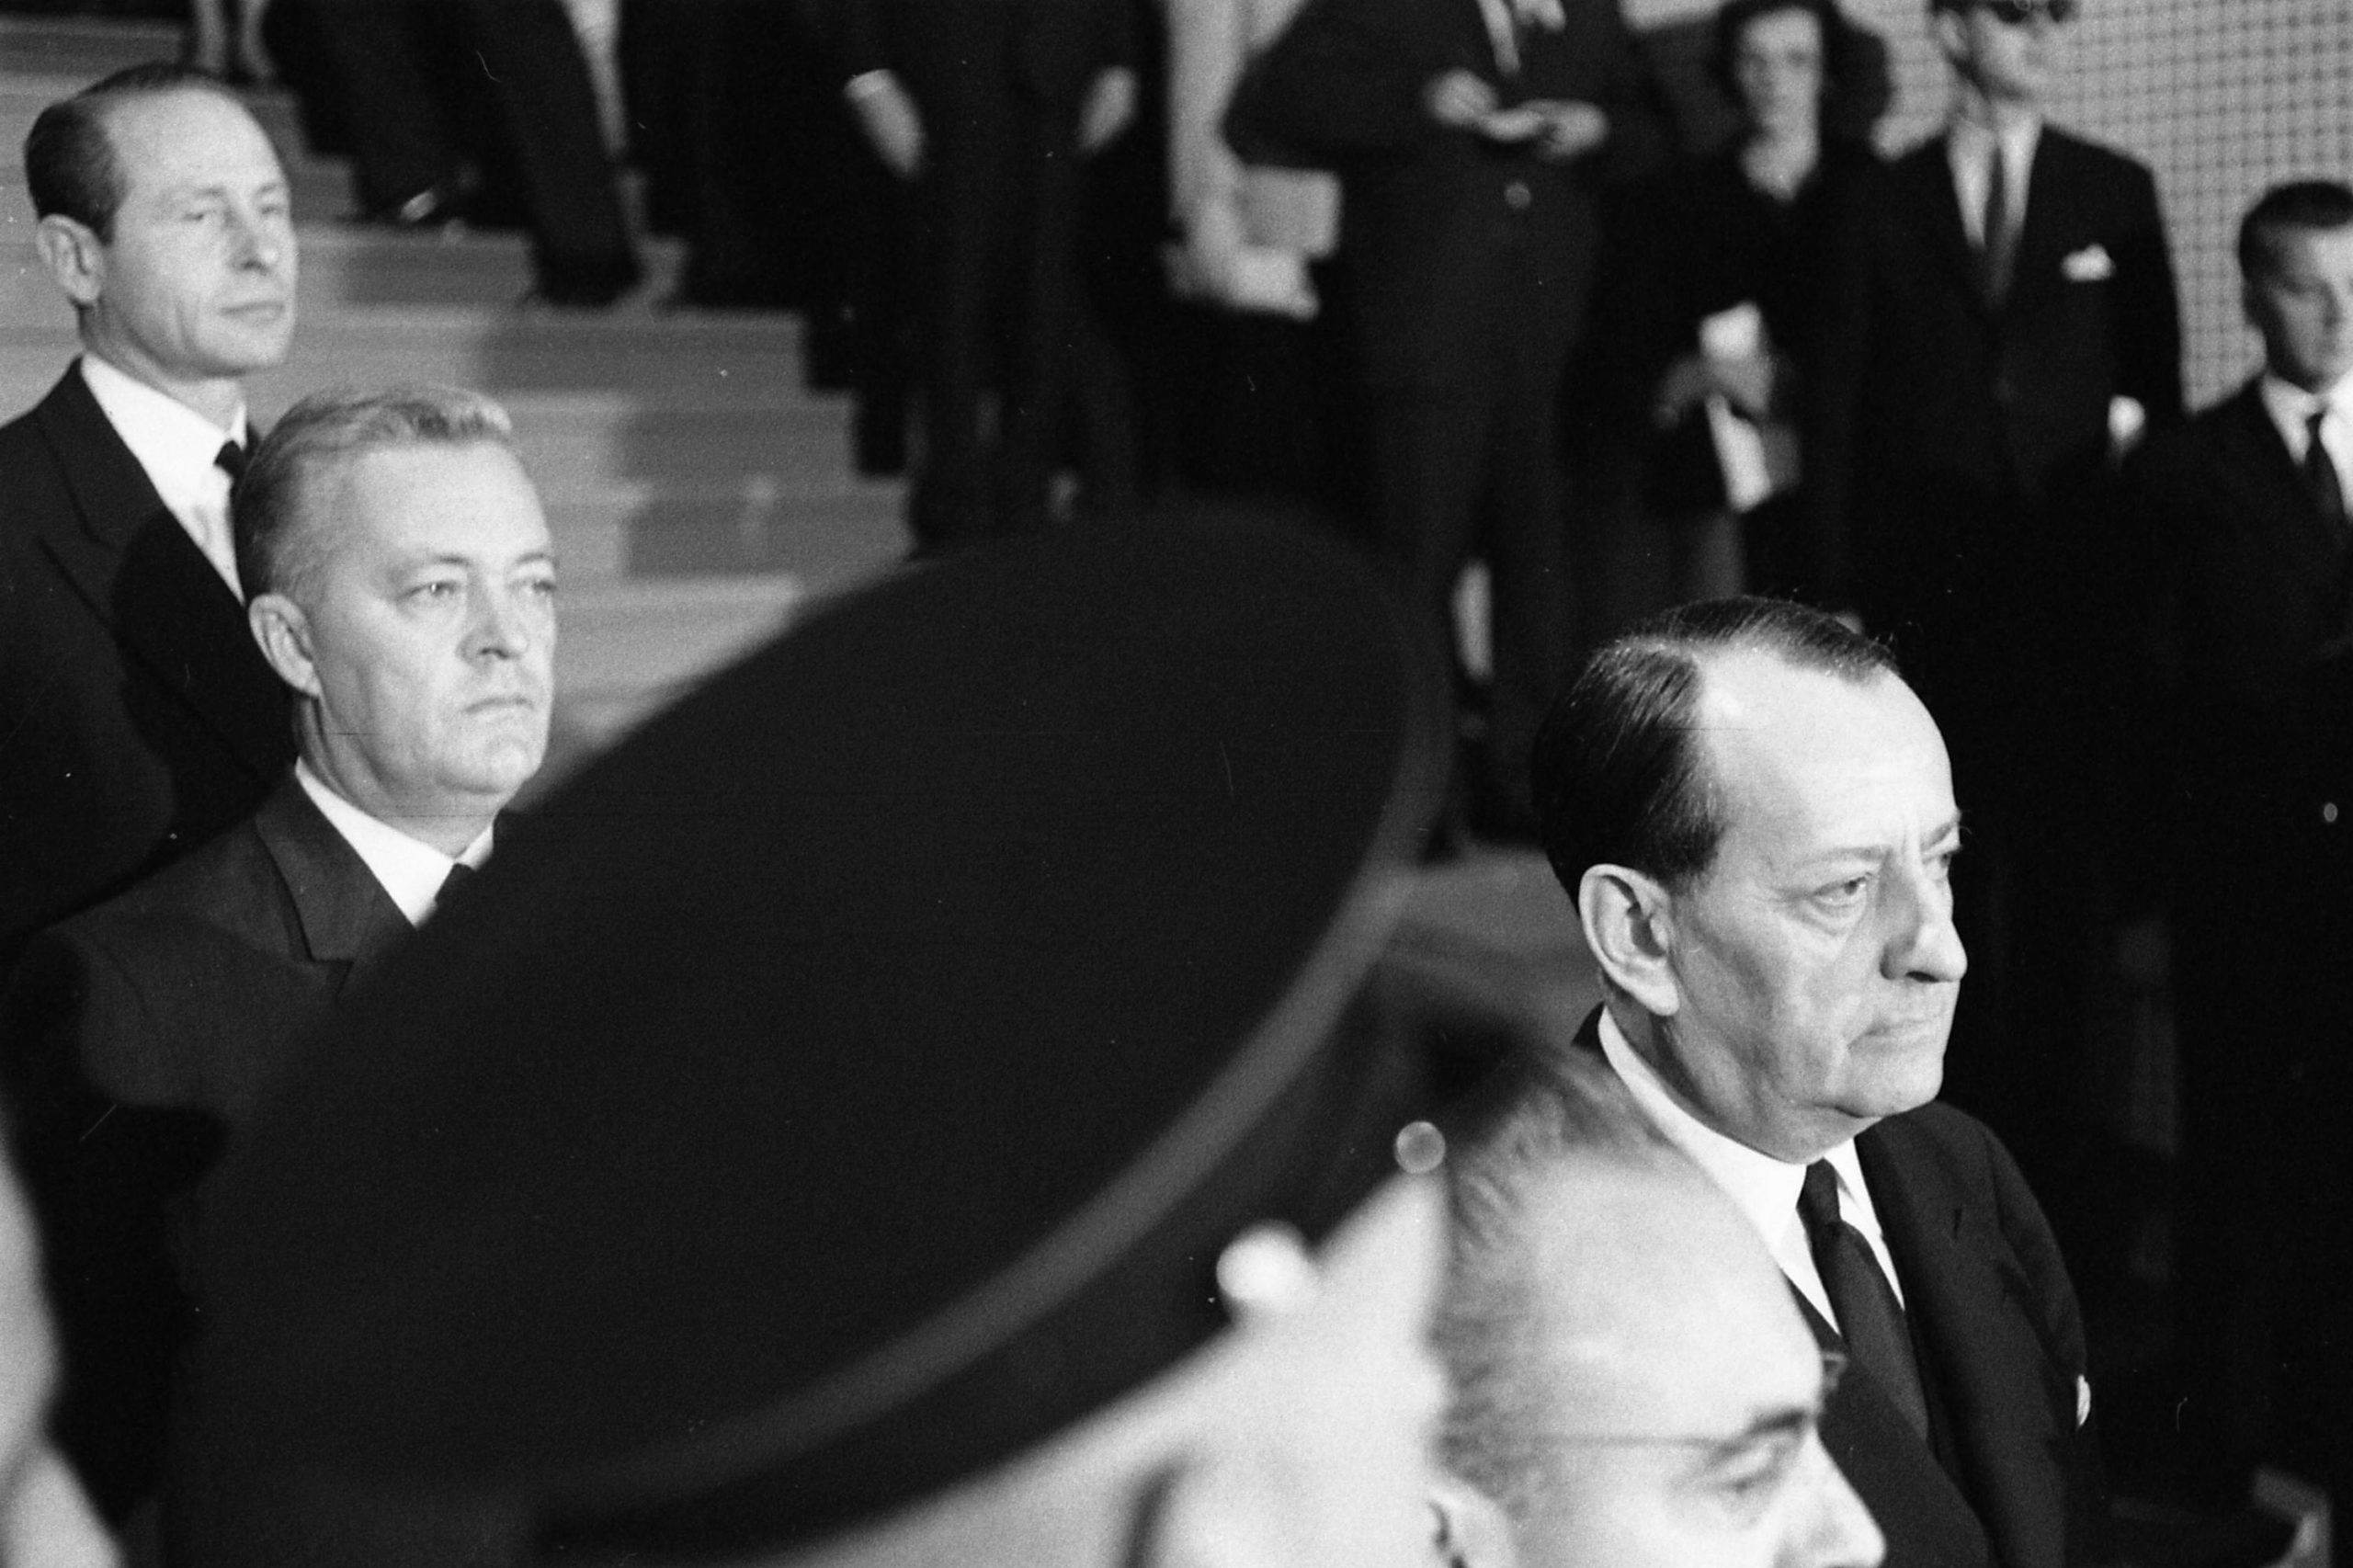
[1473, 470]
[995, 212]
[413, 75]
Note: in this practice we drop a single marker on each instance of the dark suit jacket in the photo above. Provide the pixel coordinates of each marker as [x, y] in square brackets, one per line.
[2252, 596]
[141, 1033]
[137, 718]
[2010, 1476]
[1956, 435]
[1450, 236]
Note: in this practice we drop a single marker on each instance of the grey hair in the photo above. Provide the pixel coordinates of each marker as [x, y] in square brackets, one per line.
[1567, 1110]
[280, 546]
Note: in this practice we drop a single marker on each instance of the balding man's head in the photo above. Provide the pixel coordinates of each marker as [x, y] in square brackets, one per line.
[1633, 1382]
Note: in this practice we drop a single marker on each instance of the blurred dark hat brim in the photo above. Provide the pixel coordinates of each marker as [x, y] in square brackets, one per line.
[851, 1079]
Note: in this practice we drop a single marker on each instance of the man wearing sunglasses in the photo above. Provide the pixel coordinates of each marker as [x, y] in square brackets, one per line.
[2006, 323]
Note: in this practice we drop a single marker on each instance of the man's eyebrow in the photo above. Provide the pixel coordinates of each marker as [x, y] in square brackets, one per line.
[1792, 1423]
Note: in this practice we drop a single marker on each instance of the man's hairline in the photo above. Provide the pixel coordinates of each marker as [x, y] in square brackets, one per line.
[311, 558]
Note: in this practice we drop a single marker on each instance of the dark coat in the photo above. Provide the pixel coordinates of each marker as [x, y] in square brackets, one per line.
[1451, 238]
[2012, 1473]
[137, 718]
[1960, 439]
[2245, 806]
[140, 1035]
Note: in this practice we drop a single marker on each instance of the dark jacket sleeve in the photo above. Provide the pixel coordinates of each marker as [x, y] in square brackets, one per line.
[2148, 331]
[105, 1180]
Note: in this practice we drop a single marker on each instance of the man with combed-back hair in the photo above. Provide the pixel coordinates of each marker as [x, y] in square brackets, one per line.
[140, 718]
[1754, 816]
[2248, 771]
[402, 590]
[1632, 1387]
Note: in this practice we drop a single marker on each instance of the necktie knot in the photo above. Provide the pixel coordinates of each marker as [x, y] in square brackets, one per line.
[230, 459]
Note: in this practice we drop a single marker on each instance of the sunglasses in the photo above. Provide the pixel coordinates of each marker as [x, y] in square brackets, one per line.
[2017, 13]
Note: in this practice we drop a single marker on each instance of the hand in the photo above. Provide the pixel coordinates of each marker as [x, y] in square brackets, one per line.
[1567, 128]
[892, 124]
[1748, 383]
[1460, 100]
[1109, 108]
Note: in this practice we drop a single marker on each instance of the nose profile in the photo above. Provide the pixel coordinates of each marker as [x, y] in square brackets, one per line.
[1838, 1532]
[501, 628]
[1923, 943]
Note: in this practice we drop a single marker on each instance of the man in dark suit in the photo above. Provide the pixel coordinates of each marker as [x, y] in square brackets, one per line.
[1471, 138]
[2247, 751]
[140, 720]
[2007, 320]
[402, 590]
[1755, 817]
[984, 111]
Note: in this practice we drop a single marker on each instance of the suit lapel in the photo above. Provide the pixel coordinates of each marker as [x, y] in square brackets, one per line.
[2255, 455]
[346, 917]
[1974, 1321]
[2042, 235]
[144, 579]
[1930, 205]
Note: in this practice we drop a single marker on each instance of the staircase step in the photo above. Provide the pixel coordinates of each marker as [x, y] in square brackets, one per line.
[82, 49]
[347, 264]
[626, 649]
[23, 93]
[832, 535]
[686, 358]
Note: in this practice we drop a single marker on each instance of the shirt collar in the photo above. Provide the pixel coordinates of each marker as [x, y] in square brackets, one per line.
[2290, 405]
[1764, 1188]
[173, 442]
[410, 871]
[1966, 141]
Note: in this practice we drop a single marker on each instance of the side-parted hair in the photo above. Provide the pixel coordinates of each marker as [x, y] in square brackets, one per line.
[1620, 778]
[70, 162]
[281, 545]
[1566, 1108]
[2309, 204]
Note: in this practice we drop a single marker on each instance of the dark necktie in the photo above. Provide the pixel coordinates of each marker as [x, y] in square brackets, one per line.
[2321, 480]
[1997, 236]
[459, 873]
[230, 459]
[1870, 1318]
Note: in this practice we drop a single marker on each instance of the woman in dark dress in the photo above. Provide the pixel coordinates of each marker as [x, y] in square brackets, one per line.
[1724, 271]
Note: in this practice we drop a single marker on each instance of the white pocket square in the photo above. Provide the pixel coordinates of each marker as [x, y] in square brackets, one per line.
[2082, 1399]
[2090, 265]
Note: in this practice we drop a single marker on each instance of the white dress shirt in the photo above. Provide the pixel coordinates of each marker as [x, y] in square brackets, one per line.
[2292, 408]
[177, 448]
[410, 871]
[1764, 1188]
[1968, 146]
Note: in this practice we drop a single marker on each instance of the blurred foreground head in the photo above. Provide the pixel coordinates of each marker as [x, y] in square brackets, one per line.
[920, 1100]
[1633, 1385]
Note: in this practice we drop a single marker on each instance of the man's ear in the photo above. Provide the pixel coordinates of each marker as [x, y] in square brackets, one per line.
[75, 258]
[1629, 926]
[283, 631]
[1470, 1530]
